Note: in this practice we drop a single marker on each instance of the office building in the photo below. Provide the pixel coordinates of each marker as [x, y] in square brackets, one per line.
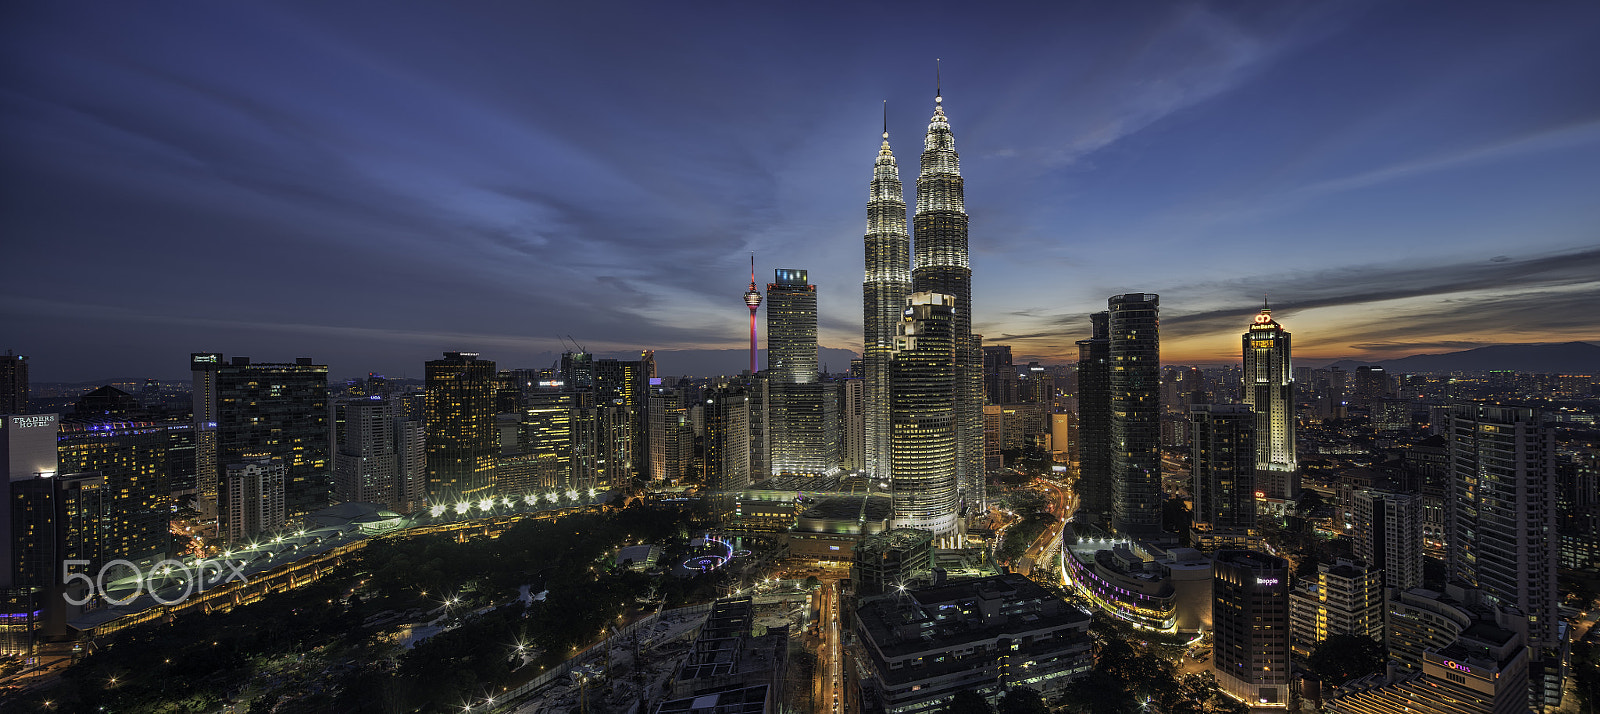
[366, 459]
[255, 500]
[1388, 535]
[791, 327]
[1345, 598]
[883, 291]
[1371, 385]
[246, 411]
[1250, 614]
[56, 529]
[802, 411]
[1223, 463]
[999, 376]
[890, 560]
[134, 460]
[1094, 421]
[1135, 414]
[1450, 654]
[14, 381]
[1269, 390]
[922, 410]
[853, 425]
[569, 440]
[940, 267]
[411, 461]
[1578, 503]
[1502, 535]
[727, 441]
[460, 426]
[627, 382]
[924, 645]
[671, 436]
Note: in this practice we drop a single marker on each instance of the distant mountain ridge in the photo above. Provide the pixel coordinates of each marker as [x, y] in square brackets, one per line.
[1538, 358]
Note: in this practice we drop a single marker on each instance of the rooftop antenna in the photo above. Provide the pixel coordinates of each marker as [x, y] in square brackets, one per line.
[938, 83]
[885, 138]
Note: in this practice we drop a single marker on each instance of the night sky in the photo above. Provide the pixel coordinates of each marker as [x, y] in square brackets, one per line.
[371, 183]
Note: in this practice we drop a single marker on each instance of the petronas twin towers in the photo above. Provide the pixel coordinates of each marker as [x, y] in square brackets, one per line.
[923, 365]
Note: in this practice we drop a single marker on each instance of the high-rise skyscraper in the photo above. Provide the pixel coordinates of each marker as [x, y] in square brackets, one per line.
[853, 425]
[1502, 525]
[727, 440]
[245, 411]
[802, 412]
[1345, 598]
[132, 456]
[253, 504]
[922, 403]
[1222, 438]
[1388, 535]
[671, 436]
[883, 292]
[1250, 620]
[1135, 353]
[462, 440]
[1269, 389]
[999, 376]
[1094, 420]
[791, 327]
[14, 381]
[940, 266]
[366, 462]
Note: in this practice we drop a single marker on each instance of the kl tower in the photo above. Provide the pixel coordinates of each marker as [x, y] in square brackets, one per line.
[752, 298]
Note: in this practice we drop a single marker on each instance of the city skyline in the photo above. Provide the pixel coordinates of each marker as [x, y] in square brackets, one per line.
[292, 180]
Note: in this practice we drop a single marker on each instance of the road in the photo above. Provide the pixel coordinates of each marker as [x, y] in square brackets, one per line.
[829, 684]
[1061, 506]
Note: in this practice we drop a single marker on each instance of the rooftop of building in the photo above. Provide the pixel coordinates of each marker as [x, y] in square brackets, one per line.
[744, 700]
[867, 508]
[896, 539]
[727, 646]
[972, 610]
[1251, 559]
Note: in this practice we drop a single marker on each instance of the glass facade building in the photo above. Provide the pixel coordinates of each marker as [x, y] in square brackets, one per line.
[1094, 419]
[922, 410]
[460, 425]
[883, 292]
[1135, 353]
[940, 266]
[1269, 389]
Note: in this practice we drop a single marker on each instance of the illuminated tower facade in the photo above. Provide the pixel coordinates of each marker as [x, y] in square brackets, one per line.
[461, 433]
[940, 267]
[883, 293]
[791, 327]
[1094, 420]
[1269, 389]
[802, 411]
[752, 299]
[1135, 351]
[922, 412]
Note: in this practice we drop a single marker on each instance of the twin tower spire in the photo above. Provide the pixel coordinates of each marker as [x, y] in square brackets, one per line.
[899, 441]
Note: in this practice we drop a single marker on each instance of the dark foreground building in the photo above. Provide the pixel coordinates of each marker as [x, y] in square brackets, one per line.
[924, 645]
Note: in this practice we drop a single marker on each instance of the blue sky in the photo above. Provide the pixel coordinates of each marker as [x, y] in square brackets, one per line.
[371, 183]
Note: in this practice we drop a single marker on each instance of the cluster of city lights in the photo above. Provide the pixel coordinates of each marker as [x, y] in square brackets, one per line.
[463, 508]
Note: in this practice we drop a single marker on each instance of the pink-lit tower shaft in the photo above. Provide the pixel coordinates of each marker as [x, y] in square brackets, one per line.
[752, 298]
